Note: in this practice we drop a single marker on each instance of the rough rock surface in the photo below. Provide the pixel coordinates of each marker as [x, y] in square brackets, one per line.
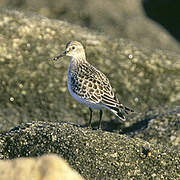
[94, 154]
[159, 126]
[47, 167]
[163, 127]
[33, 88]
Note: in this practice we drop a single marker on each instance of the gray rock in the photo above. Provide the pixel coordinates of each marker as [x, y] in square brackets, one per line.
[34, 88]
[94, 154]
[158, 126]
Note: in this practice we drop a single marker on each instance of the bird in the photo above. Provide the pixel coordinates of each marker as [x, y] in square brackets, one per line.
[89, 86]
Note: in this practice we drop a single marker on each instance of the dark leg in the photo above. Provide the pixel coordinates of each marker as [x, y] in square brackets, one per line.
[89, 125]
[100, 118]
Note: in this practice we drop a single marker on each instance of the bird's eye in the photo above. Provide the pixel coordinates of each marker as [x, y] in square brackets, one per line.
[73, 47]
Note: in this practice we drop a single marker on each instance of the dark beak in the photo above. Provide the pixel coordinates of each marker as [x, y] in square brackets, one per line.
[59, 56]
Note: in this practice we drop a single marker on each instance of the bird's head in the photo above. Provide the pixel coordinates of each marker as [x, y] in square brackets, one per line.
[73, 49]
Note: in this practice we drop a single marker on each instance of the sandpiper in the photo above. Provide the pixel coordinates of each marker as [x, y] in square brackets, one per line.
[88, 85]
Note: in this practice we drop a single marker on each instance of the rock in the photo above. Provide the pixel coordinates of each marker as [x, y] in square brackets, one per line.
[49, 167]
[159, 126]
[34, 88]
[94, 154]
[116, 19]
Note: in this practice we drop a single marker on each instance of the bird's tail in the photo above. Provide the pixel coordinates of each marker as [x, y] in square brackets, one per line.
[120, 111]
[127, 110]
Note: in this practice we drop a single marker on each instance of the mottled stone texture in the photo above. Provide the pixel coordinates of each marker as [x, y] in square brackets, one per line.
[33, 89]
[94, 154]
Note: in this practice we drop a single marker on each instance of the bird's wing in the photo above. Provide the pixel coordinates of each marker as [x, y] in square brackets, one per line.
[99, 88]
[103, 92]
[93, 86]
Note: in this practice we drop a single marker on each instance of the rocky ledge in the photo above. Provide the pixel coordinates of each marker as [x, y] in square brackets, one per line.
[95, 154]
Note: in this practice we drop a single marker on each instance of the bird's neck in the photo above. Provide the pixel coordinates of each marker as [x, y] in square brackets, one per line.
[76, 61]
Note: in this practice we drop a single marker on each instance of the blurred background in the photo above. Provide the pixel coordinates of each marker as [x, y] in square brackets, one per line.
[32, 88]
[118, 19]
